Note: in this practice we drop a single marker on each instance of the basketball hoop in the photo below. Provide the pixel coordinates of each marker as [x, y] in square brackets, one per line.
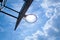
[31, 18]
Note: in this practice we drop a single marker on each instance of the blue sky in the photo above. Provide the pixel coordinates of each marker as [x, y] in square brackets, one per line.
[47, 26]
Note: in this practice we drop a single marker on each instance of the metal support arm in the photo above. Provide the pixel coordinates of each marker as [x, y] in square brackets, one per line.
[11, 9]
[8, 14]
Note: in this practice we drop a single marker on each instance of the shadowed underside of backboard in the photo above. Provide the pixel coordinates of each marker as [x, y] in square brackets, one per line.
[22, 12]
[1, 0]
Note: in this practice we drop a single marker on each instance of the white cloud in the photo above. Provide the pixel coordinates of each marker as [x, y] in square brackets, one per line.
[49, 24]
[46, 3]
[57, 9]
[35, 35]
[49, 13]
[55, 29]
[30, 38]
